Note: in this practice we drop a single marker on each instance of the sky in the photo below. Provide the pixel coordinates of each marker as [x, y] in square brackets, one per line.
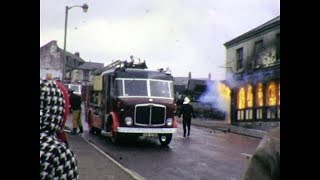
[184, 35]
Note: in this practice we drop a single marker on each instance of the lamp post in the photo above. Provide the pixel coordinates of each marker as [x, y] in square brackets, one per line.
[64, 68]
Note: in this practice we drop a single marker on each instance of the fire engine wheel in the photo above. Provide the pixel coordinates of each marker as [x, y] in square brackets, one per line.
[165, 139]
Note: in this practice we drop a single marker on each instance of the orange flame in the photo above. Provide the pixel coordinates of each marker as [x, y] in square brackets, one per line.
[224, 91]
[272, 96]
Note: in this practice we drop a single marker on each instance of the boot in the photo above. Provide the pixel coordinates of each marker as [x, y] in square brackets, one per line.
[81, 129]
[74, 131]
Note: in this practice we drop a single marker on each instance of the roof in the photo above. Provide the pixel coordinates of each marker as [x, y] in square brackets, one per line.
[199, 85]
[91, 66]
[262, 28]
[73, 56]
[180, 81]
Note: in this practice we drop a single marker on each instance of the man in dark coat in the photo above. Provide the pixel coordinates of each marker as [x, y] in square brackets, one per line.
[75, 102]
[187, 112]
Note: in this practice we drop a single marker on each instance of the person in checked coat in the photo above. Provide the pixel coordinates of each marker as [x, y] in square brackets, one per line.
[57, 161]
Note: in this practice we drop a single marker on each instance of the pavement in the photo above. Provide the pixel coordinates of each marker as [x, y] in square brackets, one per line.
[93, 163]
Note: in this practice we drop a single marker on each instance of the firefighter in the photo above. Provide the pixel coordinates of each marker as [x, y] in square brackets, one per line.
[187, 112]
[75, 102]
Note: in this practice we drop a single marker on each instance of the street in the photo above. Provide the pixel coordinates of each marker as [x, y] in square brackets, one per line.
[206, 154]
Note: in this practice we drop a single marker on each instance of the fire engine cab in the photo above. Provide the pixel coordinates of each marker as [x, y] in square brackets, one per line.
[127, 99]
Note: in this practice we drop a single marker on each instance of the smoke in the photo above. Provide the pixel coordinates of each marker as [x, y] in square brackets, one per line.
[242, 79]
[214, 97]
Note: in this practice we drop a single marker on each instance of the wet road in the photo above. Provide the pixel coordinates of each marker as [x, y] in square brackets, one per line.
[204, 155]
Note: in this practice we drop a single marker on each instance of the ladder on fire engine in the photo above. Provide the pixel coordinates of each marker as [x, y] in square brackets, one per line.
[122, 64]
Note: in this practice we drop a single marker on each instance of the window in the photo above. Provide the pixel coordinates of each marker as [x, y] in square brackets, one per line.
[258, 47]
[85, 75]
[259, 95]
[241, 103]
[249, 96]
[160, 88]
[119, 88]
[241, 98]
[278, 47]
[135, 88]
[239, 58]
[272, 94]
[144, 88]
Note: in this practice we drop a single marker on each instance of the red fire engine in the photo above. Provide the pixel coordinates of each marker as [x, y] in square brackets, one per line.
[127, 99]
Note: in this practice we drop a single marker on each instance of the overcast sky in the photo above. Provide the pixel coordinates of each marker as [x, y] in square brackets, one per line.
[184, 35]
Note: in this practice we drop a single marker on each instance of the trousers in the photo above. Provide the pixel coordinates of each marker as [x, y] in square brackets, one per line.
[186, 122]
[76, 118]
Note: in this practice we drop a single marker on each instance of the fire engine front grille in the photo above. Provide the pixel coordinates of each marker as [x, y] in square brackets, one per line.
[150, 115]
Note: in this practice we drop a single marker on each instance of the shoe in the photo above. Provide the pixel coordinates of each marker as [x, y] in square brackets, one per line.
[81, 129]
[74, 131]
[184, 135]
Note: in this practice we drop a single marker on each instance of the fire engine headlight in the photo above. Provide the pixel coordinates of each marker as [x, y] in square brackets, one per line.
[169, 122]
[128, 121]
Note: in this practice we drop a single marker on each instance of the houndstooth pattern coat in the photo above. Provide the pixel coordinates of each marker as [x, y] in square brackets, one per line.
[57, 161]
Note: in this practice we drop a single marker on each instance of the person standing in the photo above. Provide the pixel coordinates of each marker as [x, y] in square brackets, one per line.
[75, 102]
[64, 90]
[187, 112]
[57, 161]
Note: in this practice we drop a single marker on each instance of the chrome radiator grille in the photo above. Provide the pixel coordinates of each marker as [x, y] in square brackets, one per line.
[150, 115]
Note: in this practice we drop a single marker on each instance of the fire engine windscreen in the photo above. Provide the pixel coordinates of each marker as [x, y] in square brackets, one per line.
[144, 88]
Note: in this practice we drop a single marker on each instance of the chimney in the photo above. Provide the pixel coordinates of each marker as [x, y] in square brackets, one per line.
[189, 75]
[77, 54]
[209, 76]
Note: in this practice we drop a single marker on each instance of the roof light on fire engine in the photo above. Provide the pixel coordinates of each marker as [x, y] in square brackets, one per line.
[128, 121]
[169, 122]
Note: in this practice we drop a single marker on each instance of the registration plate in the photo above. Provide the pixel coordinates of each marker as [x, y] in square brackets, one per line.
[149, 134]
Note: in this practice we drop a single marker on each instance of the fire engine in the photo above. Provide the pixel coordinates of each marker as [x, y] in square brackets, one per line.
[127, 99]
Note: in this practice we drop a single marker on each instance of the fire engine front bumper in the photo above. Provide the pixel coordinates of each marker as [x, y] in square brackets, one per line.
[147, 130]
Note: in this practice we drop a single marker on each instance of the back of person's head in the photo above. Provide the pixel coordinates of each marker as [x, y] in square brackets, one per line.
[51, 106]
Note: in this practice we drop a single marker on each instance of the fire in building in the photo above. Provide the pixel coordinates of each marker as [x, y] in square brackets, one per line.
[253, 74]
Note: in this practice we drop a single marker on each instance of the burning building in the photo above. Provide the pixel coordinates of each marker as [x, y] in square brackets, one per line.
[253, 75]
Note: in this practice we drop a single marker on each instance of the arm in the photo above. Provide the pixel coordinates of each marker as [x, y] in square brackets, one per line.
[192, 111]
[181, 111]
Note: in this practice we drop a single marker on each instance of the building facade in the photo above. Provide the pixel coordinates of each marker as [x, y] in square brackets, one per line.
[253, 74]
[77, 70]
